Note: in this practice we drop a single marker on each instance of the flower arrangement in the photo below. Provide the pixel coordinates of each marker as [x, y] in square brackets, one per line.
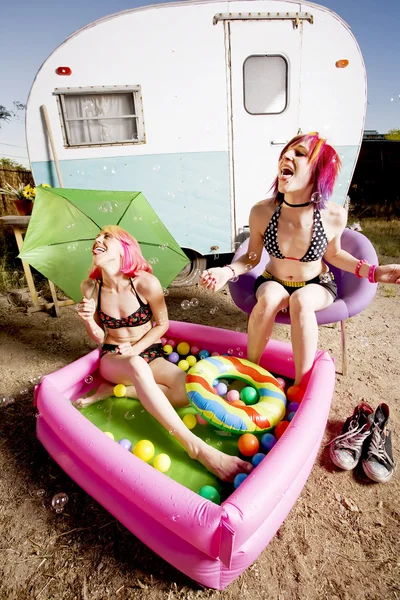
[23, 195]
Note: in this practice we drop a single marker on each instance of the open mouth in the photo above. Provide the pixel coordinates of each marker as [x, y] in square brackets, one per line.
[287, 172]
[98, 250]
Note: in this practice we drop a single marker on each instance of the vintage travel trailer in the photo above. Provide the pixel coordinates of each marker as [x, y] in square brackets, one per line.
[191, 104]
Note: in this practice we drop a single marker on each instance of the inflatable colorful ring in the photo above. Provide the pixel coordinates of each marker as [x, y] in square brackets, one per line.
[263, 416]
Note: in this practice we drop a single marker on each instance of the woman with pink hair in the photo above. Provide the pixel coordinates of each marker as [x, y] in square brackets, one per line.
[299, 228]
[123, 308]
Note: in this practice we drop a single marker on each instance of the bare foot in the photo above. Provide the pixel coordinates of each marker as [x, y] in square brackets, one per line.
[224, 466]
[105, 390]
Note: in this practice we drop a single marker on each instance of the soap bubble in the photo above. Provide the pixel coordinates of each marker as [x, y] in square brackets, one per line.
[88, 379]
[194, 302]
[252, 256]
[230, 351]
[129, 415]
[165, 292]
[59, 502]
[185, 304]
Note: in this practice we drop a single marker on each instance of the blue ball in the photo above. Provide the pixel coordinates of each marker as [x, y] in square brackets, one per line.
[240, 477]
[173, 357]
[257, 458]
[125, 444]
[221, 389]
[291, 415]
[292, 406]
[204, 354]
[215, 382]
[268, 441]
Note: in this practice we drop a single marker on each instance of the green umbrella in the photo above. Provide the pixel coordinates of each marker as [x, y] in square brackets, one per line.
[65, 222]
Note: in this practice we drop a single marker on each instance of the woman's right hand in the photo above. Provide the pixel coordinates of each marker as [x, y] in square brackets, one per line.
[86, 309]
[214, 279]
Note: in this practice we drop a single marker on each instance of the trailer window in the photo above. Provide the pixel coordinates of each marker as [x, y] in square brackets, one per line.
[265, 84]
[101, 117]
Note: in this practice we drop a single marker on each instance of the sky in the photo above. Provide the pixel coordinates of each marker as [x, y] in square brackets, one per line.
[30, 31]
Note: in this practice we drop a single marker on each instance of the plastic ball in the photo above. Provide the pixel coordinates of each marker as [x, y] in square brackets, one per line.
[173, 357]
[214, 353]
[210, 493]
[233, 395]
[167, 348]
[163, 341]
[183, 348]
[204, 354]
[119, 390]
[171, 343]
[240, 477]
[190, 420]
[215, 382]
[162, 462]
[281, 428]
[268, 441]
[291, 415]
[191, 360]
[248, 444]
[281, 382]
[125, 444]
[295, 393]
[109, 434]
[249, 395]
[257, 458]
[200, 420]
[144, 450]
[292, 406]
[194, 350]
[221, 389]
[183, 364]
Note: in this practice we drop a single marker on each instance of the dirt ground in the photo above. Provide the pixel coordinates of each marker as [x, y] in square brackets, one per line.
[340, 541]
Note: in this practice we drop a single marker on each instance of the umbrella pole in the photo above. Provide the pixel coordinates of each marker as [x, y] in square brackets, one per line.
[51, 140]
[61, 184]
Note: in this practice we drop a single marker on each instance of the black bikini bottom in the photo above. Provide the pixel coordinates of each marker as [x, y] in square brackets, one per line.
[326, 280]
[151, 353]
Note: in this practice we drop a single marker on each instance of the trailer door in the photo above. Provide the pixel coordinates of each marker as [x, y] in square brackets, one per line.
[264, 71]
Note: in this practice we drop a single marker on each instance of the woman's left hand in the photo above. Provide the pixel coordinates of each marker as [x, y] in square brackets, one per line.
[127, 349]
[388, 274]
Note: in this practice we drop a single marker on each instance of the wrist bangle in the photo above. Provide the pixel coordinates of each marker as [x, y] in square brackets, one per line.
[233, 272]
[358, 267]
[371, 273]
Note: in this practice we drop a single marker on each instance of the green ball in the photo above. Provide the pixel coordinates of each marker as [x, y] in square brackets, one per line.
[210, 493]
[249, 395]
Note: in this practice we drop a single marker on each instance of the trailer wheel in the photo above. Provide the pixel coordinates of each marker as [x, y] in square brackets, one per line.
[191, 273]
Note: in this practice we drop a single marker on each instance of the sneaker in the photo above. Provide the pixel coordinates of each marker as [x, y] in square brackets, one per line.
[345, 449]
[377, 461]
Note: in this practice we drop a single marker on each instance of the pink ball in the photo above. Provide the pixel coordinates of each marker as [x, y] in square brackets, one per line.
[194, 350]
[233, 395]
[281, 382]
[163, 341]
[214, 353]
[171, 343]
[200, 420]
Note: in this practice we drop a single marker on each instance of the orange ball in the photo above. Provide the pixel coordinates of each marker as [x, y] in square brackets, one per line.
[295, 393]
[248, 444]
[281, 428]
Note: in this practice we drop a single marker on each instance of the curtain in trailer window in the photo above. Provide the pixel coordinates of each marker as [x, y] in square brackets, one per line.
[98, 118]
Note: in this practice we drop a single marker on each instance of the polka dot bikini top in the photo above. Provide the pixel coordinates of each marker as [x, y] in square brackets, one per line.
[141, 316]
[318, 244]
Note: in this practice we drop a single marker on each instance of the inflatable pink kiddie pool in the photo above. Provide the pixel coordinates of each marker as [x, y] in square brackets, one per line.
[211, 544]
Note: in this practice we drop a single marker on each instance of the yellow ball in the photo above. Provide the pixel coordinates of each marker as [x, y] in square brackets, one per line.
[192, 360]
[109, 434]
[144, 450]
[162, 462]
[190, 421]
[120, 390]
[167, 349]
[183, 364]
[183, 348]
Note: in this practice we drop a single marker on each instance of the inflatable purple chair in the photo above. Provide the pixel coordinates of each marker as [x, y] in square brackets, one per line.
[354, 294]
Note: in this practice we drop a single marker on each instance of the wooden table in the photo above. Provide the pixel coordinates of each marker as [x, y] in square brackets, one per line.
[19, 225]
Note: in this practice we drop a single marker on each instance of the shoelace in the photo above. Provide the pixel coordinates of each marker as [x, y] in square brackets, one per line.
[353, 439]
[377, 448]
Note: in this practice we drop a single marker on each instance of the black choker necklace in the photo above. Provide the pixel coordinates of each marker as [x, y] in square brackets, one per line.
[297, 205]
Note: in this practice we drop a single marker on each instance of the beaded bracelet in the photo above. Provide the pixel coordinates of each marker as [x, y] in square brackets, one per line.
[233, 271]
[371, 273]
[358, 267]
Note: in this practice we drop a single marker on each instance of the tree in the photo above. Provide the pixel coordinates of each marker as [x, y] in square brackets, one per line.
[393, 134]
[12, 165]
[6, 115]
